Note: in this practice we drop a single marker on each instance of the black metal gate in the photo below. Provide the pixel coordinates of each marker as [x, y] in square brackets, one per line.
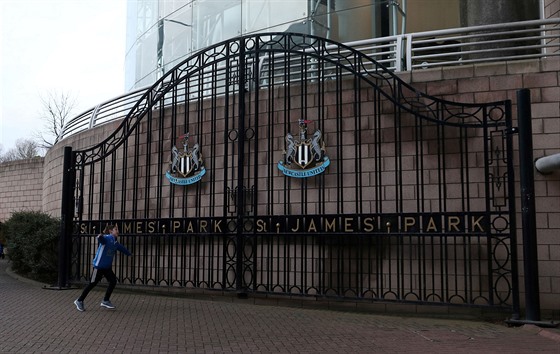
[290, 164]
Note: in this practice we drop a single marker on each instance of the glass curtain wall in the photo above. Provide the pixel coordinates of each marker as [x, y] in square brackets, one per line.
[161, 33]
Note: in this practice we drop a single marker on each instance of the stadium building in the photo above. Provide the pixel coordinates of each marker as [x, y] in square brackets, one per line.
[369, 152]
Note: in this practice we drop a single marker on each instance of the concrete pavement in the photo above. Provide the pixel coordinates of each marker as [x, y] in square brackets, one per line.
[35, 320]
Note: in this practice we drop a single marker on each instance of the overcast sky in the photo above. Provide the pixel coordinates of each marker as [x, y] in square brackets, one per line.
[71, 46]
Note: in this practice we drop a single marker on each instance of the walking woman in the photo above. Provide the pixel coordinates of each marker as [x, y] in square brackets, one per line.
[103, 266]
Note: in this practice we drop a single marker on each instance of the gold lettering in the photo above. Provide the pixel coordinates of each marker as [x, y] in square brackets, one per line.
[408, 222]
[476, 224]
[330, 226]
[127, 228]
[453, 223]
[297, 226]
[261, 225]
[348, 225]
[217, 226]
[312, 227]
[368, 224]
[431, 225]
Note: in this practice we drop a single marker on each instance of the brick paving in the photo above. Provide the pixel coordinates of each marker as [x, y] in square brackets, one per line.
[37, 320]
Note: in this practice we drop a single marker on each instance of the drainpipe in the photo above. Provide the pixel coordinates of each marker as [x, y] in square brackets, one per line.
[548, 164]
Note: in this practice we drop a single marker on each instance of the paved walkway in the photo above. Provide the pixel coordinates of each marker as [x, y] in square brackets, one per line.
[36, 320]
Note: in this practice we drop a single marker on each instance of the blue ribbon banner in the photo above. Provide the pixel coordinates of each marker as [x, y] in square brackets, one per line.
[304, 173]
[185, 181]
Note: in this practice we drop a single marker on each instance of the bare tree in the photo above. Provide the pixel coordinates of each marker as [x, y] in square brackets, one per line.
[2, 159]
[6, 156]
[57, 107]
[24, 149]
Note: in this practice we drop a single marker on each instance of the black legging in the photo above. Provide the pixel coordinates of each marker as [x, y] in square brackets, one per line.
[96, 277]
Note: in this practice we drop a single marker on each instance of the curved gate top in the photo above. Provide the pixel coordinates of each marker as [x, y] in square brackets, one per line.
[285, 163]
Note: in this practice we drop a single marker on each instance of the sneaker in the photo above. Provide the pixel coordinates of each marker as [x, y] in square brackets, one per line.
[107, 304]
[79, 305]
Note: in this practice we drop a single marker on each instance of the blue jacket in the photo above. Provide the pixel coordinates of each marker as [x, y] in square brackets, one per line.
[108, 246]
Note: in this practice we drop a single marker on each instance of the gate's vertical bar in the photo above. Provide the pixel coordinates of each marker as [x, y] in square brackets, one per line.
[240, 152]
[528, 218]
[66, 216]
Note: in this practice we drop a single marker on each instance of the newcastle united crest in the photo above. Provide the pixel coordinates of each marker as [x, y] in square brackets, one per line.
[304, 157]
[186, 166]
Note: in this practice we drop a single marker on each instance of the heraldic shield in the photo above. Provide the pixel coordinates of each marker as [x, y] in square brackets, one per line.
[186, 166]
[304, 157]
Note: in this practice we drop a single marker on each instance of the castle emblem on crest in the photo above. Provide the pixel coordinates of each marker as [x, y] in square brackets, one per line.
[304, 157]
[186, 166]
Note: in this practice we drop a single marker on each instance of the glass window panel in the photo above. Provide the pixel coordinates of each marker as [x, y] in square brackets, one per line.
[264, 15]
[177, 29]
[215, 21]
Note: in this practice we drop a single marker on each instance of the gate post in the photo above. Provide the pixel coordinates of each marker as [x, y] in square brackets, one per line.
[66, 216]
[528, 217]
[240, 177]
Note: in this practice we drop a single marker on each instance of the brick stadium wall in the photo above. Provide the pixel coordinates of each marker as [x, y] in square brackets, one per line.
[21, 186]
[54, 160]
[489, 82]
[469, 83]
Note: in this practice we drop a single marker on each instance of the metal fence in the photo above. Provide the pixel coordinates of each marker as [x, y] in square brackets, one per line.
[411, 199]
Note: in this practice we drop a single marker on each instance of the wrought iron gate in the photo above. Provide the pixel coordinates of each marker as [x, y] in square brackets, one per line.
[290, 164]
